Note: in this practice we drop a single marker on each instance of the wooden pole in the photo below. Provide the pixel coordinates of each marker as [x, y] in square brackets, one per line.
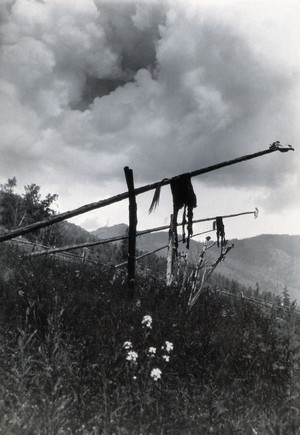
[171, 252]
[131, 231]
[157, 250]
[103, 203]
[48, 250]
[166, 227]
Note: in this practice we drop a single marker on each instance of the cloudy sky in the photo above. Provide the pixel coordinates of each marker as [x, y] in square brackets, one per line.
[89, 86]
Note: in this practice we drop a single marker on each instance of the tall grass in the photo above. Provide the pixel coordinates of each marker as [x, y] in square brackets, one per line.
[64, 368]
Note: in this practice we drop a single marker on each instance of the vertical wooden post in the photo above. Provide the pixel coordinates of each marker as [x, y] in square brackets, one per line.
[84, 254]
[131, 232]
[171, 252]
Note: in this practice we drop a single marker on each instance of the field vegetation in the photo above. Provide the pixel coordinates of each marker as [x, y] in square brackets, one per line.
[78, 357]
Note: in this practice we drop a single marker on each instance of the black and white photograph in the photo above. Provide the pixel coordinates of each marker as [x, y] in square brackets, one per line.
[149, 217]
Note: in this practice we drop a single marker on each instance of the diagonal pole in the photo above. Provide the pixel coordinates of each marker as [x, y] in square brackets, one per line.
[50, 250]
[117, 198]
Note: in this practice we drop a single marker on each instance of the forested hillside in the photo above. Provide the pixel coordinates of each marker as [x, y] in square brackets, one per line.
[77, 356]
[269, 261]
[17, 210]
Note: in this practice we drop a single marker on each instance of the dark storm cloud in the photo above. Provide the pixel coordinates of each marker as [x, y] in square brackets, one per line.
[132, 39]
[88, 87]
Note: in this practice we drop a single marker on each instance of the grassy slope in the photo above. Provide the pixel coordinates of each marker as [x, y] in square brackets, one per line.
[63, 367]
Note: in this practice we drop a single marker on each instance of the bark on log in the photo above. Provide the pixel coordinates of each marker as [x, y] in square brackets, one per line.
[117, 198]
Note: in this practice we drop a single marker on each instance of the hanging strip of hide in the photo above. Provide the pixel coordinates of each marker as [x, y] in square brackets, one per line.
[156, 196]
[220, 231]
[183, 196]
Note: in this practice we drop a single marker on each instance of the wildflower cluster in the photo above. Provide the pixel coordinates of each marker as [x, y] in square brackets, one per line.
[155, 374]
[152, 351]
[168, 347]
[149, 355]
[147, 322]
[127, 345]
[132, 356]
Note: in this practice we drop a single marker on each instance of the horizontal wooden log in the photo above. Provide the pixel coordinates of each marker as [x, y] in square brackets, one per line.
[119, 238]
[81, 245]
[158, 249]
[117, 198]
[166, 227]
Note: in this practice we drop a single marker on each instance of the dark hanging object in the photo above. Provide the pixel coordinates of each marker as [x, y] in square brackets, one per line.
[219, 226]
[183, 196]
[156, 196]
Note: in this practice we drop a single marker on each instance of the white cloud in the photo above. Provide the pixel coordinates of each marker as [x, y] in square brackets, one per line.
[88, 87]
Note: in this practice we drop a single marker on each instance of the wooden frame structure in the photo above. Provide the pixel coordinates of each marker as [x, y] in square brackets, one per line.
[131, 195]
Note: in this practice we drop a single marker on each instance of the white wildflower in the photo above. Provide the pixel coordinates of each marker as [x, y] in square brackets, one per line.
[169, 346]
[155, 374]
[152, 351]
[147, 321]
[166, 358]
[132, 356]
[127, 345]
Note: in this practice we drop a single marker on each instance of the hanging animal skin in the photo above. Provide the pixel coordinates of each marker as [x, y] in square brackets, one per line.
[220, 231]
[183, 196]
[156, 196]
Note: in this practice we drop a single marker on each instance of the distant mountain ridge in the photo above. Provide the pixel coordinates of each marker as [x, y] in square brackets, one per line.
[271, 260]
[109, 232]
